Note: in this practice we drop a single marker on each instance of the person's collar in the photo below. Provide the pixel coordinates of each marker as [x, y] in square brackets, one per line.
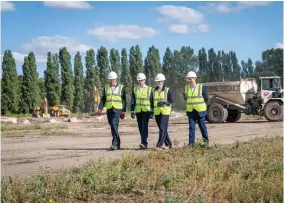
[163, 88]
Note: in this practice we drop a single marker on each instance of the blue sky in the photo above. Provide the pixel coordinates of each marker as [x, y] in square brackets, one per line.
[248, 28]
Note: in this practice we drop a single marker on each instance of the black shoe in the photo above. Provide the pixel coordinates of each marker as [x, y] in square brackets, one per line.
[142, 146]
[114, 147]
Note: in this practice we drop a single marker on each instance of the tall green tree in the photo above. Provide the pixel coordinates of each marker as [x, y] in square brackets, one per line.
[250, 68]
[103, 64]
[126, 78]
[203, 73]
[35, 91]
[51, 80]
[236, 69]
[27, 86]
[152, 65]
[9, 84]
[92, 80]
[132, 65]
[67, 90]
[79, 84]
[115, 62]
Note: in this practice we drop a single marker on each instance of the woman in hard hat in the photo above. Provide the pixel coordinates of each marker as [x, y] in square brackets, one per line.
[141, 98]
[114, 96]
[162, 103]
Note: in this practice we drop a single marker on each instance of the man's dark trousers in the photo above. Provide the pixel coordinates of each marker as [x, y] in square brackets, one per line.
[162, 122]
[143, 121]
[200, 118]
[113, 116]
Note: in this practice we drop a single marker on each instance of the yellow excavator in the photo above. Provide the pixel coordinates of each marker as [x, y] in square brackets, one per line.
[97, 100]
[44, 111]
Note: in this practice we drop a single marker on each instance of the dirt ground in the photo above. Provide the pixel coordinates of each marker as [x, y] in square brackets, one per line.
[29, 152]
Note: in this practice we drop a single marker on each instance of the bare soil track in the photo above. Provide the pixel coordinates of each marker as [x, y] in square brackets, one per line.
[25, 155]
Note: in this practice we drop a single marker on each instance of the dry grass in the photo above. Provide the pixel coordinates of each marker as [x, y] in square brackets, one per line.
[241, 172]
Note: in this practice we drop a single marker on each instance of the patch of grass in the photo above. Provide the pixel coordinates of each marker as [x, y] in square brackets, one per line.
[16, 127]
[54, 132]
[241, 172]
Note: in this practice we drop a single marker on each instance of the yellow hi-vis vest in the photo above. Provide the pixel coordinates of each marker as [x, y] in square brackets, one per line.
[113, 99]
[142, 99]
[194, 100]
[164, 110]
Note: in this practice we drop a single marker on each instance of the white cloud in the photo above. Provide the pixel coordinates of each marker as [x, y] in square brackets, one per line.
[68, 4]
[222, 7]
[179, 28]
[279, 46]
[7, 6]
[121, 32]
[228, 7]
[180, 14]
[254, 3]
[187, 29]
[19, 58]
[43, 44]
[203, 28]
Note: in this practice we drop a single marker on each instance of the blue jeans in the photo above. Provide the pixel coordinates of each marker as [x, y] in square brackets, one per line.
[162, 122]
[194, 117]
[143, 121]
[113, 117]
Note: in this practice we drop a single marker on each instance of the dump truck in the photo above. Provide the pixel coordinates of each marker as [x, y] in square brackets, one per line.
[228, 100]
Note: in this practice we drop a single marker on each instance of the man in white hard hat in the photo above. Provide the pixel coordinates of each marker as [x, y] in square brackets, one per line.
[141, 108]
[114, 97]
[162, 104]
[196, 97]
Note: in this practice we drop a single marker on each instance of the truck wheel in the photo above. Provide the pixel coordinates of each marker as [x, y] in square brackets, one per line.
[233, 116]
[216, 113]
[273, 111]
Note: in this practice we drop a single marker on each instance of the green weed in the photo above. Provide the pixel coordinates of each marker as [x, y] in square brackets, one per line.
[241, 172]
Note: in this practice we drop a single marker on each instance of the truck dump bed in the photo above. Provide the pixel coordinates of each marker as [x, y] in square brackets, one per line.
[234, 91]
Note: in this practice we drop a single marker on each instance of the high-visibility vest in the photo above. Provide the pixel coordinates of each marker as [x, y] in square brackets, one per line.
[194, 100]
[113, 99]
[164, 110]
[142, 99]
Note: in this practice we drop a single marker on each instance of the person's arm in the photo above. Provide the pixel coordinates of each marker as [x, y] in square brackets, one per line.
[205, 94]
[133, 101]
[103, 100]
[123, 99]
[152, 99]
[169, 98]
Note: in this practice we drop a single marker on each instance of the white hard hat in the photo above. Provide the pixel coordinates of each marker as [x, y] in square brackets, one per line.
[141, 76]
[112, 75]
[160, 77]
[191, 74]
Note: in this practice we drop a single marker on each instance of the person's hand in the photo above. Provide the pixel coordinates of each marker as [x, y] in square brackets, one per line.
[122, 115]
[99, 112]
[133, 114]
[162, 103]
[151, 114]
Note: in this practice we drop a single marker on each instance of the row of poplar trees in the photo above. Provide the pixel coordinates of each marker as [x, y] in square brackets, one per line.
[64, 84]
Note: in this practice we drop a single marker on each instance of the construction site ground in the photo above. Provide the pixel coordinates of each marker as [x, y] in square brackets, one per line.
[52, 144]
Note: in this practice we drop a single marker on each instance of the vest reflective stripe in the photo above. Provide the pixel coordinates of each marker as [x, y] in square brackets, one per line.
[113, 99]
[164, 110]
[194, 100]
[142, 100]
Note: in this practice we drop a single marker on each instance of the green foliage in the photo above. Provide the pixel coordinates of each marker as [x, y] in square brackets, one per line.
[51, 82]
[115, 62]
[211, 66]
[249, 171]
[152, 65]
[103, 64]
[67, 91]
[79, 84]
[126, 79]
[92, 79]
[10, 94]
